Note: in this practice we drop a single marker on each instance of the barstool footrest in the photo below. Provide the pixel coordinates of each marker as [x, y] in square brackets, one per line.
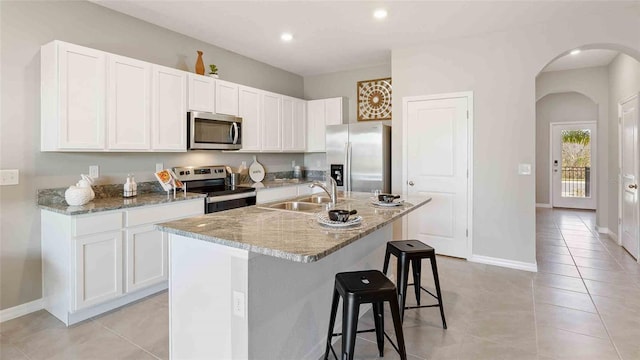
[425, 290]
[357, 332]
[363, 331]
[421, 306]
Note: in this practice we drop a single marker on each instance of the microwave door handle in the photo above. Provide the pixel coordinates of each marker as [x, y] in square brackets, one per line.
[235, 132]
[230, 132]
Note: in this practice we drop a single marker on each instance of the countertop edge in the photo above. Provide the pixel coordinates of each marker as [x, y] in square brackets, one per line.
[79, 211]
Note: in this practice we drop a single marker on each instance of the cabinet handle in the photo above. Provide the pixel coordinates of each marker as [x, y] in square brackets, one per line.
[411, 183]
[633, 186]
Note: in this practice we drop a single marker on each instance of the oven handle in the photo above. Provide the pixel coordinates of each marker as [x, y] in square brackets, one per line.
[216, 199]
[235, 133]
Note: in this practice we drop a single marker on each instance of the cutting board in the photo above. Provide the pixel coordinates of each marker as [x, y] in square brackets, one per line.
[256, 170]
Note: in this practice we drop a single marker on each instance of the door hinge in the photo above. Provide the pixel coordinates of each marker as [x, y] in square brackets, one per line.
[466, 233]
[619, 221]
[467, 114]
[467, 173]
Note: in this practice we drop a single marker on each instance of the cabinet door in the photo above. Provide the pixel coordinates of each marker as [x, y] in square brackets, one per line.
[146, 257]
[333, 111]
[226, 98]
[315, 126]
[169, 109]
[299, 125]
[271, 121]
[202, 93]
[249, 111]
[288, 125]
[98, 260]
[82, 80]
[129, 101]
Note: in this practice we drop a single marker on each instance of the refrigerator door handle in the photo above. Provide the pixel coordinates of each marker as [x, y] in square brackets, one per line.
[349, 166]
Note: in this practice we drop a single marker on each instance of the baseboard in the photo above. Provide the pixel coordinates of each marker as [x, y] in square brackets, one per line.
[607, 231]
[20, 310]
[548, 206]
[518, 265]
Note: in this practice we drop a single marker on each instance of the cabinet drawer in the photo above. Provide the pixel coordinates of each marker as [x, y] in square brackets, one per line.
[156, 214]
[93, 224]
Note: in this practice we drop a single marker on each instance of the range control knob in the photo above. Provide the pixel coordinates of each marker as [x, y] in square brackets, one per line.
[181, 172]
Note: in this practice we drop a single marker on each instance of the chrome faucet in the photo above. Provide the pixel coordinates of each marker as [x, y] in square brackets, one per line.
[333, 193]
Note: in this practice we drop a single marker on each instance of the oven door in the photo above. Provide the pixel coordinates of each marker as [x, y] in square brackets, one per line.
[228, 202]
[214, 131]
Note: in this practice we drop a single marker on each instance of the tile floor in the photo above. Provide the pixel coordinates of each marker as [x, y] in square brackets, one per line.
[584, 303]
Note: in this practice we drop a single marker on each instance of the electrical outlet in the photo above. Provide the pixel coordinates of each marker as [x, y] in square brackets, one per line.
[94, 171]
[9, 177]
[159, 167]
[238, 304]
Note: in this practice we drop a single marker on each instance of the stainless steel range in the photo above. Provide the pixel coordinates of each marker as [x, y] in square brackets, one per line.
[211, 180]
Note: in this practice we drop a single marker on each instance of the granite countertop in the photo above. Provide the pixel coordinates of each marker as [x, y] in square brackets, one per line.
[116, 202]
[289, 235]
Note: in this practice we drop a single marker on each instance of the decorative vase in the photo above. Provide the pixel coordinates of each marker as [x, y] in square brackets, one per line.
[215, 76]
[199, 64]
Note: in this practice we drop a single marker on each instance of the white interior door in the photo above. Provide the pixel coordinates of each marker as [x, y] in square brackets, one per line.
[629, 175]
[436, 136]
[573, 165]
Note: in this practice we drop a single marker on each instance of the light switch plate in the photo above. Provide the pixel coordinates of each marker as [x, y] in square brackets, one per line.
[159, 167]
[524, 169]
[238, 304]
[94, 171]
[9, 177]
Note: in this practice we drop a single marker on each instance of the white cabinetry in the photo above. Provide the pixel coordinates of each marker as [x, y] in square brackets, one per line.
[202, 93]
[294, 124]
[320, 114]
[226, 98]
[249, 111]
[169, 109]
[284, 192]
[270, 105]
[96, 262]
[129, 110]
[73, 80]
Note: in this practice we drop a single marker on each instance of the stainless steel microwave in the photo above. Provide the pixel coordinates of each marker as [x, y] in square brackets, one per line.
[214, 131]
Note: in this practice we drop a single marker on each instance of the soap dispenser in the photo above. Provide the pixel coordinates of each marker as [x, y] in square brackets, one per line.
[128, 187]
[134, 186]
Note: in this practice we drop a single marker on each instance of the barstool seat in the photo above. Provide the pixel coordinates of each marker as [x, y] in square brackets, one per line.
[363, 287]
[413, 251]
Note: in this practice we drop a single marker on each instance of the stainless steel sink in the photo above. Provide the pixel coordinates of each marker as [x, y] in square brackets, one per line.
[296, 206]
[317, 199]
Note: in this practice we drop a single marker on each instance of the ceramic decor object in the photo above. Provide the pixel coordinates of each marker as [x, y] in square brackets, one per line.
[256, 170]
[199, 64]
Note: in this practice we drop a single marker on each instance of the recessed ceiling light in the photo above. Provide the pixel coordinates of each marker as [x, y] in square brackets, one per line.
[380, 14]
[575, 52]
[286, 37]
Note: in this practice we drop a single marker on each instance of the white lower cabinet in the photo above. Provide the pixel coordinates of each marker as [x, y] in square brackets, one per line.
[147, 259]
[94, 263]
[98, 275]
[285, 192]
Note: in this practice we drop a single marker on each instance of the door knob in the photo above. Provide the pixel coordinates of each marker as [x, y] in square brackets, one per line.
[633, 186]
[411, 183]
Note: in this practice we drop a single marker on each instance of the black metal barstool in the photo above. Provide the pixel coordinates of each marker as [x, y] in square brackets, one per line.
[363, 287]
[413, 251]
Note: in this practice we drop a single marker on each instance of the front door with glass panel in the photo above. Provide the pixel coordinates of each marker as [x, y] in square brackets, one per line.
[573, 165]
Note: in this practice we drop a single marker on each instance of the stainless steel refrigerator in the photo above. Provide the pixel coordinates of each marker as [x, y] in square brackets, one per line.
[359, 156]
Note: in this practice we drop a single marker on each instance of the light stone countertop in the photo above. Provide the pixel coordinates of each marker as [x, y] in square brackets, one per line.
[289, 235]
[115, 202]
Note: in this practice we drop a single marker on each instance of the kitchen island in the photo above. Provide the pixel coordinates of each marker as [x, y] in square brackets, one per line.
[256, 283]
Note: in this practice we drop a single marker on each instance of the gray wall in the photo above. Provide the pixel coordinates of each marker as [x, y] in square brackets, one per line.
[624, 81]
[500, 68]
[343, 83]
[25, 26]
[562, 107]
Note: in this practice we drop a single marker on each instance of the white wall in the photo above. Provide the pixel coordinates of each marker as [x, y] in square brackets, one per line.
[343, 83]
[559, 107]
[25, 26]
[624, 81]
[500, 68]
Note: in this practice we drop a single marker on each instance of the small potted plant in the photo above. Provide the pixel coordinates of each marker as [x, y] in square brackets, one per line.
[213, 71]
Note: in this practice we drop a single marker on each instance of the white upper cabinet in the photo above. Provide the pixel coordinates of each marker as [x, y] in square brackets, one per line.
[226, 98]
[271, 105]
[129, 110]
[294, 121]
[320, 114]
[202, 93]
[73, 86]
[249, 111]
[169, 109]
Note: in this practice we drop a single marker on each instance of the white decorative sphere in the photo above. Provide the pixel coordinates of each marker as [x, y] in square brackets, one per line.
[76, 196]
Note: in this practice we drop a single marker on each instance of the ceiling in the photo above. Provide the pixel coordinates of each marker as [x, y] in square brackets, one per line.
[586, 58]
[332, 36]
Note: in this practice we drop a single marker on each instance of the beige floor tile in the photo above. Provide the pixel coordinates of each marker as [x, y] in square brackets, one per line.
[559, 269]
[604, 263]
[552, 249]
[612, 290]
[586, 245]
[366, 349]
[551, 242]
[480, 349]
[560, 297]
[560, 282]
[16, 329]
[571, 320]
[562, 344]
[627, 306]
[616, 277]
[585, 253]
[10, 352]
[144, 323]
[556, 258]
[87, 340]
[511, 328]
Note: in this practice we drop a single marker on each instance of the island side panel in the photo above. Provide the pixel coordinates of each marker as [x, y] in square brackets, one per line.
[203, 278]
[289, 302]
